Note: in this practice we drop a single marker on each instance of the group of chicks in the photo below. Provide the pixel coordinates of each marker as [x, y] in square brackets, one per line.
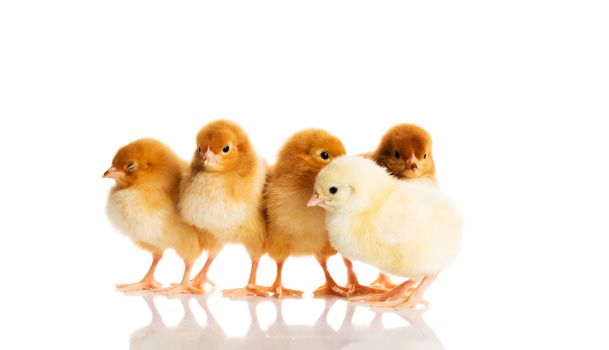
[381, 208]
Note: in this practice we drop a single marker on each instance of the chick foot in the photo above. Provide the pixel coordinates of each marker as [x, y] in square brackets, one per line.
[331, 289]
[401, 291]
[247, 291]
[353, 285]
[185, 287]
[148, 282]
[358, 289]
[383, 281]
[201, 278]
[277, 289]
[286, 292]
[404, 297]
[201, 282]
[143, 285]
[182, 288]
[281, 291]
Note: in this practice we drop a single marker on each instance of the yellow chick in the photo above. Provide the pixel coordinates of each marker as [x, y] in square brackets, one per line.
[405, 151]
[406, 228]
[143, 206]
[222, 193]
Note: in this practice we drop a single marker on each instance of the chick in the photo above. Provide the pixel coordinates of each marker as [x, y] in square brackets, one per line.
[293, 229]
[143, 206]
[222, 193]
[406, 228]
[405, 151]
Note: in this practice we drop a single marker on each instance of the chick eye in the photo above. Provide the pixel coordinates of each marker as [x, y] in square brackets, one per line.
[396, 154]
[200, 151]
[131, 166]
[333, 189]
[324, 155]
[425, 156]
[226, 149]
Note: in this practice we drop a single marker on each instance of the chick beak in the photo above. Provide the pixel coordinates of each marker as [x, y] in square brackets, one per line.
[413, 163]
[316, 201]
[209, 158]
[112, 173]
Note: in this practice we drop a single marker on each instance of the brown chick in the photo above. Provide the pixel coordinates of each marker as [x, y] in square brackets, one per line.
[222, 194]
[143, 206]
[293, 228]
[405, 151]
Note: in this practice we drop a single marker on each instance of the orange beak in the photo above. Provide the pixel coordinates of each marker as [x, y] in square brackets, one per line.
[113, 173]
[316, 201]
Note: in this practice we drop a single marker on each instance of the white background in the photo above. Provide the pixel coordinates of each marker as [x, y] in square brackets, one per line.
[514, 93]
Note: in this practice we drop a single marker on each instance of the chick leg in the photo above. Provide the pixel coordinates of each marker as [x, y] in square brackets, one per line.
[252, 289]
[200, 279]
[277, 288]
[148, 282]
[409, 301]
[355, 288]
[383, 281]
[396, 292]
[184, 287]
[331, 287]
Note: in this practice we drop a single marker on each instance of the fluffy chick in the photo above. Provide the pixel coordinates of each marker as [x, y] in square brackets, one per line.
[143, 206]
[293, 229]
[222, 193]
[405, 151]
[406, 228]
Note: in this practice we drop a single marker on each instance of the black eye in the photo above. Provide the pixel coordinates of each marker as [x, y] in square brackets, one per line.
[396, 154]
[425, 156]
[131, 166]
[226, 149]
[200, 150]
[333, 189]
[324, 155]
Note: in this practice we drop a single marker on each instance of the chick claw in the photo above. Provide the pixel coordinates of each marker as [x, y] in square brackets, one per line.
[181, 289]
[285, 292]
[139, 286]
[400, 292]
[331, 290]
[358, 289]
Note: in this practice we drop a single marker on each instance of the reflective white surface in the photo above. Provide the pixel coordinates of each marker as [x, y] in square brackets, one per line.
[267, 327]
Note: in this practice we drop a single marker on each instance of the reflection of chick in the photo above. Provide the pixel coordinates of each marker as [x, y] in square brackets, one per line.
[406, 228]
[223, 192]
[405, 150]
[158, 335]
[294, 229]
[142, 205]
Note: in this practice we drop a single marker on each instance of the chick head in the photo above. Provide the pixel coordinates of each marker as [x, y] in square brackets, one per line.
[142, 160]
[307, 152]
[222, 146]
[348, 184]
[405, 150]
